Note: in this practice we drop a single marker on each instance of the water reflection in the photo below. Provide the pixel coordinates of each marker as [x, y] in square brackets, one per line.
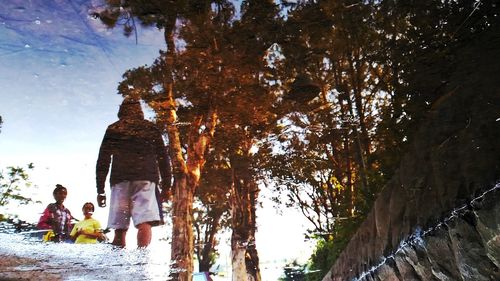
[417, 238]
[85, 261]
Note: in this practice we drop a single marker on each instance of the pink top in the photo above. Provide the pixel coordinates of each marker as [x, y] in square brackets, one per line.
[57, 218]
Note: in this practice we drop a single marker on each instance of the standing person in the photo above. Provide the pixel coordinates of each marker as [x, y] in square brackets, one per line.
[134, 147]
[88, 230]
[57, 217]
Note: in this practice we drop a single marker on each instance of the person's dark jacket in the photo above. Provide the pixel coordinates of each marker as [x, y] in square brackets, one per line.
[134, 147]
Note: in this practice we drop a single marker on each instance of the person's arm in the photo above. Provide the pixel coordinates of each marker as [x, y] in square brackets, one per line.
[99, 232]
[95, 233]
[74, 233]
[70, 220]
[163, 160]
[102, 168]
[45, 221]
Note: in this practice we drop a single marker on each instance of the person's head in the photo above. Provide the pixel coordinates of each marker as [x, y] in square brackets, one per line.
[88, 209]
[130, 109]
[60, 193]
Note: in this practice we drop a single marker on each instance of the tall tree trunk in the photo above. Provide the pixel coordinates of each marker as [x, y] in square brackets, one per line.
[186, 172]
[186, 184]
[244, 256]
[344, 111]
[357, 77]
[181, 266]
[359, 147]
[181, 256]
[252, 257]
[187, 178]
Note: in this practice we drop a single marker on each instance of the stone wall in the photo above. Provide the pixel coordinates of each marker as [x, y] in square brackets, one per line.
[454, 158]
[465, 247]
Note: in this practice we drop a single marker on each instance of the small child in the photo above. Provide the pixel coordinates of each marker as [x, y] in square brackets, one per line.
[88, 230]
[56, 217]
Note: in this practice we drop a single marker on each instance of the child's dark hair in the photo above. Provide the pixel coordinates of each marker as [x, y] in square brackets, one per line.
[59, 187]
[89, 203]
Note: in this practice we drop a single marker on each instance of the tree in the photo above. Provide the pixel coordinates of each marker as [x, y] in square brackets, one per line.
[211, 212]
[156, 86]
[324, 163]
[217, 78]
[326, 142]
[247, 115]
[223, 87]
[13, 182]
[381, 66]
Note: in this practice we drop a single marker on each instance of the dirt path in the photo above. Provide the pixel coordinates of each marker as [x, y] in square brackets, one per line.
[18, 268]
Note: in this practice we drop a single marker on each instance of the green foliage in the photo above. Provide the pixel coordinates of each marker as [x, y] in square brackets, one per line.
[328, 248]
[381, 66]
[13, 182]
[294, 271]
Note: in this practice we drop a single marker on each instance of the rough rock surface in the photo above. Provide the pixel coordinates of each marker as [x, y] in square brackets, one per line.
[465, 248]
[454, 159]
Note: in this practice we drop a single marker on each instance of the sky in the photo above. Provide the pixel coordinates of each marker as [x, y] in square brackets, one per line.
[59, 70]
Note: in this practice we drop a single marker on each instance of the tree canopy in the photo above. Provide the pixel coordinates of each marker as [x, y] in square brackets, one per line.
[317, 100]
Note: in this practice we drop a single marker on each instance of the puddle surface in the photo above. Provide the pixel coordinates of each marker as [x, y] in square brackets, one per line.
[83, 261]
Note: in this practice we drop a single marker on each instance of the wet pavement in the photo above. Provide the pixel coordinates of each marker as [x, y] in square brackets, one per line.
[27, 258]
[23, 257]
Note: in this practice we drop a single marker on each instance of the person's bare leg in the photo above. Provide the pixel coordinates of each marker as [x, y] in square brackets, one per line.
[119, 240]
[143, 235]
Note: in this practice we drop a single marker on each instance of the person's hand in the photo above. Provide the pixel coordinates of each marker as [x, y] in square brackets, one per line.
[99, 235]
[166, 191]
[101, 200]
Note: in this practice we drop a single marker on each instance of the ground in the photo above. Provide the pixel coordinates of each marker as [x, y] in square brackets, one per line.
[18, 268]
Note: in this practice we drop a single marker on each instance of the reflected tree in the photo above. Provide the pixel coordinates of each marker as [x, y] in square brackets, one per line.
[13, 182]
[381, 66]
[156, 86]
[211, 211]
[248, 116]
[217, 80]
[378, 66]
[324, 158]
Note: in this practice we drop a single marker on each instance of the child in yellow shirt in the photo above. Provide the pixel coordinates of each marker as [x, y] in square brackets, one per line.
[88, 230]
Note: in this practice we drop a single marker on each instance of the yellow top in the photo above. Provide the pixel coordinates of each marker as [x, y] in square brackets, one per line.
[88, 226]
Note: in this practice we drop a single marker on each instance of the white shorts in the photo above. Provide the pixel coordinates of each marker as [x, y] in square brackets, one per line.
[136, 199]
